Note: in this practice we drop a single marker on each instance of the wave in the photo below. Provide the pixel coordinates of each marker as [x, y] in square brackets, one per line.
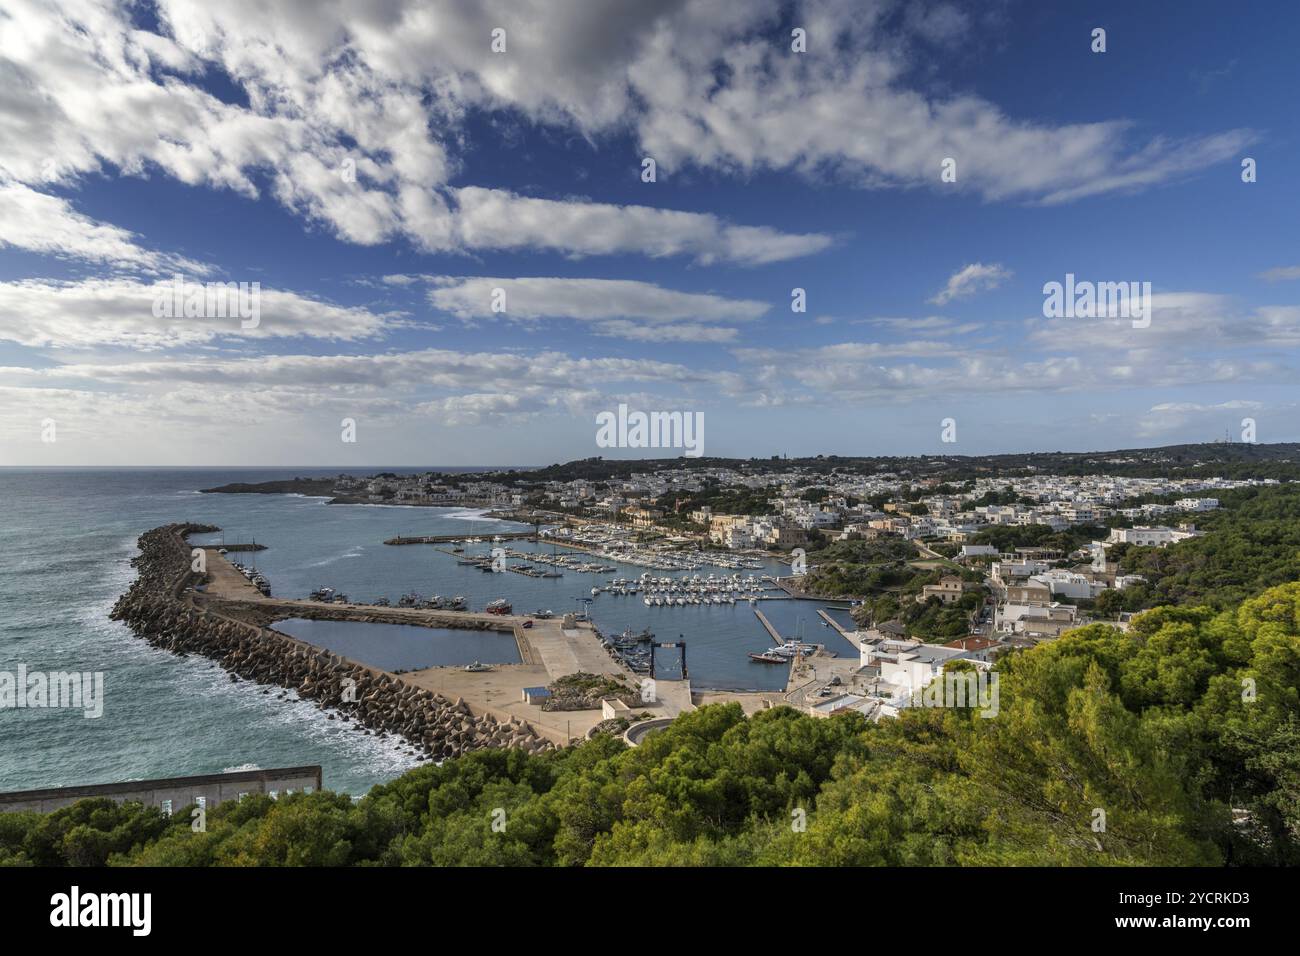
[475, 515]
[353, 552]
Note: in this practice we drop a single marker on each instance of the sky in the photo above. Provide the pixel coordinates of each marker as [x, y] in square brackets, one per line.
[459, 260]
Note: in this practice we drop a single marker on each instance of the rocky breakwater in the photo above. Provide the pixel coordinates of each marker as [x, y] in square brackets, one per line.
[160, 607]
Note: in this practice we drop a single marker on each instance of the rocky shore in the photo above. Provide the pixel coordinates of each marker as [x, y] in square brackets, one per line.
[160, 608]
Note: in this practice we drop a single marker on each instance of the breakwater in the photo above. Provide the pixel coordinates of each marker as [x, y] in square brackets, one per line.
[162, 607]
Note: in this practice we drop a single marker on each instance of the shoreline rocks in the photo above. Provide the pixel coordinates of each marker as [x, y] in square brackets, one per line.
[155, 609]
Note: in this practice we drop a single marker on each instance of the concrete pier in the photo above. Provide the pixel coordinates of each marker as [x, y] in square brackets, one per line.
[547, 651]
[771, 629]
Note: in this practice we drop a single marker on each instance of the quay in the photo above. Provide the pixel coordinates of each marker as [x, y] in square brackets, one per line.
[548, 650]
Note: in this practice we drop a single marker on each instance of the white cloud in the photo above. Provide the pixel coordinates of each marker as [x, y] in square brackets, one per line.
[120, 313]
[1168, 417]
[1179, 320]
[1281, 274]
[355, 114]
[498, 219]
[641, 311]
[971, 280]
[389, 88]
[45, 224]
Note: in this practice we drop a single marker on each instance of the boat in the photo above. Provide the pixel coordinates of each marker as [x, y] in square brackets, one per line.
[767, 658]
[499, 606]
[477, 667]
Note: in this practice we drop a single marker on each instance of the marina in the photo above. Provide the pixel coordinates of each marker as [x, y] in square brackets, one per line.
[714, 615]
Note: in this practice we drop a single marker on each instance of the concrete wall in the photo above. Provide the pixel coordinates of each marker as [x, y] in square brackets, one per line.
[215, 788]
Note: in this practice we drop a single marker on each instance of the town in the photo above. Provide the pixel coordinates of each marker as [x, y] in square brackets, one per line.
[935, 570]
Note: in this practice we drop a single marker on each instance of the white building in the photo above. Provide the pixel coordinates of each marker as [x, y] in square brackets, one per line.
[1152, 537]
[1070, 584]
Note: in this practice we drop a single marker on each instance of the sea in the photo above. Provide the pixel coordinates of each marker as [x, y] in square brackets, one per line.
[67, 537]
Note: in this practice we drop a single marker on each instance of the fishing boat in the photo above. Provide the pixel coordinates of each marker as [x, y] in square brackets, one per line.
[499, 606]
[477, 667]
[767, 658]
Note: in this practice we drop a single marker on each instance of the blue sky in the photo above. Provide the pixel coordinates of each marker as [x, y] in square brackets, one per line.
[138, 142]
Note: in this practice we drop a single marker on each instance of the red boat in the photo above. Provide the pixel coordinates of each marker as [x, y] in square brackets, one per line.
[767, 658]
[499, 606]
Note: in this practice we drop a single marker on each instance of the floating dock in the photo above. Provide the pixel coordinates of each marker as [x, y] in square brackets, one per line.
[832, 622]
[762, 619]
[456, 538]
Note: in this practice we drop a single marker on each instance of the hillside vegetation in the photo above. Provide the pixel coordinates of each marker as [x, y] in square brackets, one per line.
[1164, 730]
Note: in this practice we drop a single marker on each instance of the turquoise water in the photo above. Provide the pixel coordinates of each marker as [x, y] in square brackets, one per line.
[66, 540]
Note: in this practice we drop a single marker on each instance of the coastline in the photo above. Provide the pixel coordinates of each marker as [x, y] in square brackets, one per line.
[162, 606]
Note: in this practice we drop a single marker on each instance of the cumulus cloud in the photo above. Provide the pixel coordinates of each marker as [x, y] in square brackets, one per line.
[355, 114]
[971, 280]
